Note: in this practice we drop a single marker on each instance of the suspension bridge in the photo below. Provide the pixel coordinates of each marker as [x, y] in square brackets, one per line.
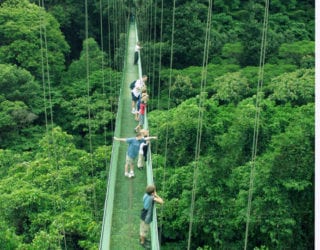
[120, 227]
[123, 201]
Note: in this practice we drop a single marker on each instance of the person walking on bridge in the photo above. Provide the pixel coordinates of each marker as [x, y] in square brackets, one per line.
[133, 150]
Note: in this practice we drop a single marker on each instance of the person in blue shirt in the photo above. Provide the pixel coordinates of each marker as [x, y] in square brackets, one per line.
[149, 198]
[133, 150]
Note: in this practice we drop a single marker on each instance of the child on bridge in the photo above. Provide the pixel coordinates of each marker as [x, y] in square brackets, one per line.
[146, 215]
[133, 150]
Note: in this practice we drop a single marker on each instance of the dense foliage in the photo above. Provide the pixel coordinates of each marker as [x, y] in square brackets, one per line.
[56, 123]
[283, 179]
[58, 100]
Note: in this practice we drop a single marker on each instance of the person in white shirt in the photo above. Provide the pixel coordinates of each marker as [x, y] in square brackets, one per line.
[143, 150]
[136, 92]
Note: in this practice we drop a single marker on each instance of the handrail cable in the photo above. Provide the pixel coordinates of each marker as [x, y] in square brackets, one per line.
[158, 91]
[41, 5]
[200, 118]
[150, 180]
[89, 109]
[257, 118]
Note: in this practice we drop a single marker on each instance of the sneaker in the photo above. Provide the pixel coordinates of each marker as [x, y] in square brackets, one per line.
[131, 174]
[127, 175]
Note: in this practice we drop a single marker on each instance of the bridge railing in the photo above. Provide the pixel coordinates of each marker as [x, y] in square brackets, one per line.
[110, 190]
[108, 204]
[154, 225]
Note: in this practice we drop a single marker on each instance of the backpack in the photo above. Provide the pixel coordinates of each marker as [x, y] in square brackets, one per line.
[132, 85]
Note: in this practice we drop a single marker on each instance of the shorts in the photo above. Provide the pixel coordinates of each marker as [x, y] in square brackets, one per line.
[129, 160]
[134, 98]
[138, 104]
[144, 228]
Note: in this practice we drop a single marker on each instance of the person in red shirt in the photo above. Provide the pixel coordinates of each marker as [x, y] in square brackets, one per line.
[142, 110]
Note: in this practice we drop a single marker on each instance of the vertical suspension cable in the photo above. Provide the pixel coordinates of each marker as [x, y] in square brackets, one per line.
[170, 75]
[124, 31]
[257, 118]
[42, 70]
[158, 107]
[150, 23]
[200, 119]
[171, 51]
[48, 70]
[120, 28]
[170, 82]
[103, 81]
[89, 109]
[44, 35]
[111, 93]
[154, 51]
[44, 90]
[114, 33]
[160, 55]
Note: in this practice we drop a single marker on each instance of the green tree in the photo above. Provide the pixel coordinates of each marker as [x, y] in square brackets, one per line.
[181, 89]
[297, 52]
[282, 206]
[22, 30]
[14, 117]
[21, 107]
[70, 15]
[18, 84]
[94, 58]
[189, 31]
[51, 195]
[296, 87]
[231, 88]
[232, 52]
[88, 85]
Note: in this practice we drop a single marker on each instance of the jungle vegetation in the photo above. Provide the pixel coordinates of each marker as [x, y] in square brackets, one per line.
[54, 166]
